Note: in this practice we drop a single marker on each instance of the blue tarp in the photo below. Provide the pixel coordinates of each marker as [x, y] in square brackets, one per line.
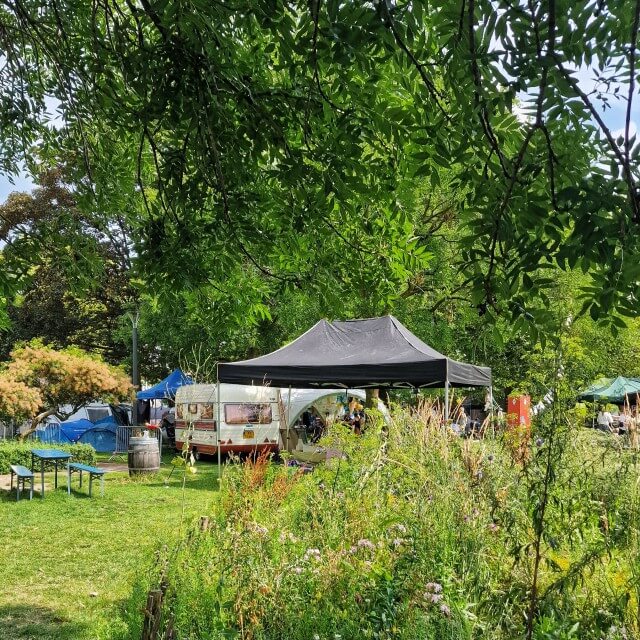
[167, 388]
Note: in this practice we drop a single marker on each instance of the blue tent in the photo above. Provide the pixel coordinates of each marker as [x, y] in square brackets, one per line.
[167, 388]
[101, 435]
[71, 431]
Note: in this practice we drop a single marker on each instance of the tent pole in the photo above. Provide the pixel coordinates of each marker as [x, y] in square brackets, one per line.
[446, 400]
[287, 417]
[218, 426]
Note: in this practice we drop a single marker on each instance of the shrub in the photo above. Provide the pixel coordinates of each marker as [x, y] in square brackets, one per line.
[14, 452]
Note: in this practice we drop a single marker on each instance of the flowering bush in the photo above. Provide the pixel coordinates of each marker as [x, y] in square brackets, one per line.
[17, 400]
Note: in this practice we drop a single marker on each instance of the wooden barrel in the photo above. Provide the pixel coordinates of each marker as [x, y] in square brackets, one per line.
[143, 455]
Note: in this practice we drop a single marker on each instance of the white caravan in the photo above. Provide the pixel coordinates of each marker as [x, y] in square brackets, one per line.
[253, 418]
[249, 416]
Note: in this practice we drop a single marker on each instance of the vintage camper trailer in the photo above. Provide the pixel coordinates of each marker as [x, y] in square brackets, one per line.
[249, 416]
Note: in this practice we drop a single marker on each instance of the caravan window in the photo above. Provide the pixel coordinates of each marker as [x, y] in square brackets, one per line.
[247, 413]
[206, 411]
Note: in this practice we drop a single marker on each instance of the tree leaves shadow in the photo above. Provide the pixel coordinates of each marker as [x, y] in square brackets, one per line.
[31, 622]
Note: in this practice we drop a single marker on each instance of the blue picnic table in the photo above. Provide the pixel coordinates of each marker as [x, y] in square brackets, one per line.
[48, 455]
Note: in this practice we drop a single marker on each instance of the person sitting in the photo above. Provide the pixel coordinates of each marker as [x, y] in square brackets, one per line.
[605, 420]
[623, 419]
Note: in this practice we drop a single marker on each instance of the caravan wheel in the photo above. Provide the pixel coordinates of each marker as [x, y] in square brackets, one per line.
[196, 455]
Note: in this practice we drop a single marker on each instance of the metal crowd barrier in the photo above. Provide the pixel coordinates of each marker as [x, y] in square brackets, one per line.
[124, 433]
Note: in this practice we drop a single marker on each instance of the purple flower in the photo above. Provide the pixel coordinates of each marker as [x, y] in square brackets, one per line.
[436, 597]
[365, 544]
[397, 542]
[433, 587]
[493, 527]
[297, 570]
[312, 553]
[444, 610]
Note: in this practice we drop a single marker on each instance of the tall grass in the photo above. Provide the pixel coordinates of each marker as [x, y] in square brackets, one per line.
[418, 534]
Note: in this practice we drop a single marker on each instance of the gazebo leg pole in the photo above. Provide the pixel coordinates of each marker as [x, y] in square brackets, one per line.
[287, 417]
[218, 427]
[446, 400]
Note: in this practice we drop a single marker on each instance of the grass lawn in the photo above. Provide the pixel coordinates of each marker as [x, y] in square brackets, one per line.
[67, 563]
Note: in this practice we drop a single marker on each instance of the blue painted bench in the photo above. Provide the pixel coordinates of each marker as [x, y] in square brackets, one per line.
[94, 472]
[22, 474]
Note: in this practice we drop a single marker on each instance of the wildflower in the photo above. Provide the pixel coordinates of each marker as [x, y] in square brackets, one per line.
[297, 570]
[400, 528]
[444, 610]
[397, 542]
[493, 527]
[539, 442]
[433, 587]
[436, 597]
[363, 543]
[259, 529]
[353, 550]
[475, 513]
[312, 553]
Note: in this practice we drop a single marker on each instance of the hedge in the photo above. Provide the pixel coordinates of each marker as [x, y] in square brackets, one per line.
[14, 452]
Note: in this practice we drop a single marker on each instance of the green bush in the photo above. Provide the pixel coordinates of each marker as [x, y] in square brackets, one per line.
[15, 452]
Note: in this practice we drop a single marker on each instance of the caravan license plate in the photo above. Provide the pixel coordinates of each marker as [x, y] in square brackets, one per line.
[248, 434]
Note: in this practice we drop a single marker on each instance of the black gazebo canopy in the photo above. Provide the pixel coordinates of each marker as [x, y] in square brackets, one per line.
[377, 352]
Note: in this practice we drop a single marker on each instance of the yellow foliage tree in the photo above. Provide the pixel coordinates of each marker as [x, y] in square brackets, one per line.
[17, 400]
[40, 381]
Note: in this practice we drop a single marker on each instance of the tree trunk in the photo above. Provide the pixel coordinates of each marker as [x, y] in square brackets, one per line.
[40, 418]
[371, 401]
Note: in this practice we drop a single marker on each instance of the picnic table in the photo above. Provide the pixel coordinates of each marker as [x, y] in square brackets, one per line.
[48, 455]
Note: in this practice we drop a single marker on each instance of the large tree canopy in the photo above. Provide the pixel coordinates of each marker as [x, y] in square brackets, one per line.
[262, 132]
